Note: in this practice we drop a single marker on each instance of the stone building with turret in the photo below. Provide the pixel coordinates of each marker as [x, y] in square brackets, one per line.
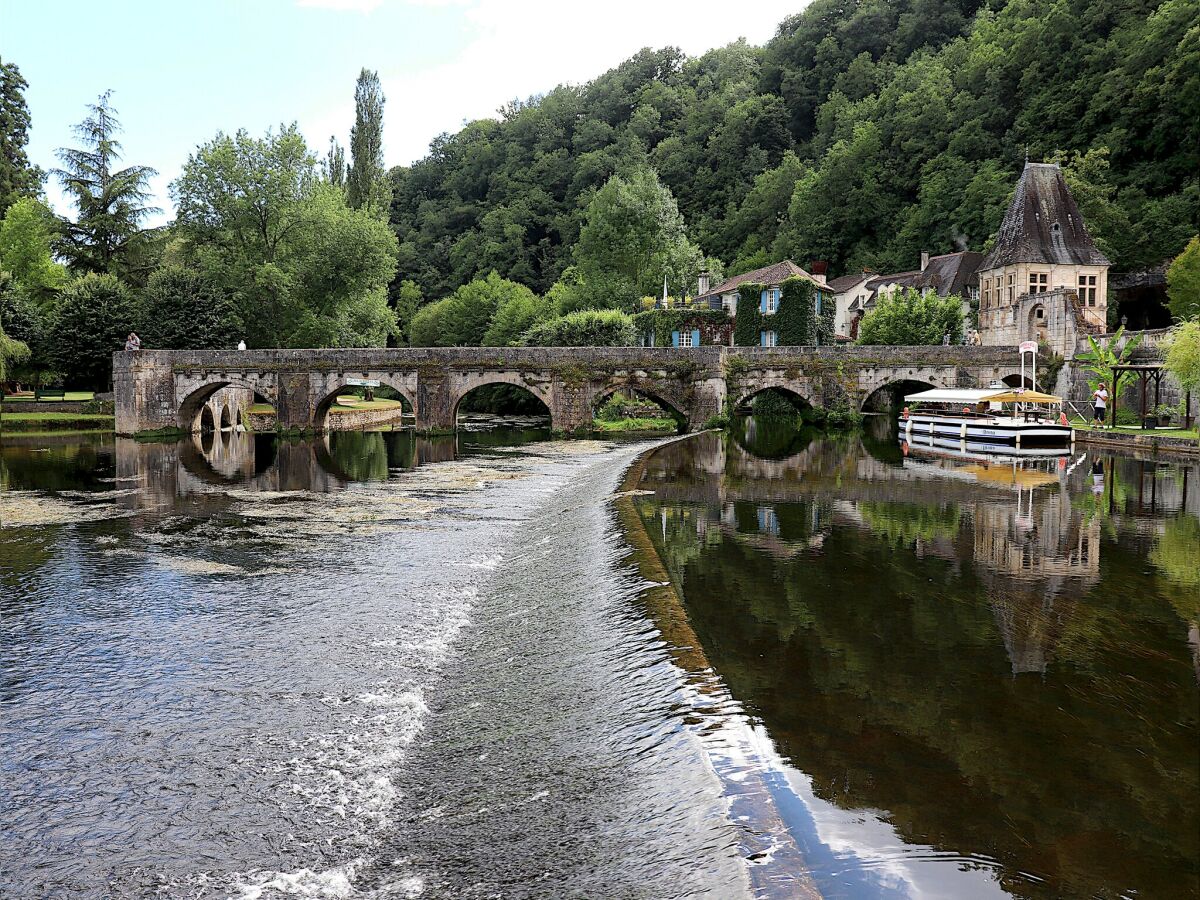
[1044, 279]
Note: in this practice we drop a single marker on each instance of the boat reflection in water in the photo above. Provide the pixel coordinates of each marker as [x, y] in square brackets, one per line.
[926, 676]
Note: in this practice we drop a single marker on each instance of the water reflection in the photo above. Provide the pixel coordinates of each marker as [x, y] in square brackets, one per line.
[979, 677]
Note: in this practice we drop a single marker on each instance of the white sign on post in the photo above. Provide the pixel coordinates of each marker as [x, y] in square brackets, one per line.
[363, 382]
[1029, 346]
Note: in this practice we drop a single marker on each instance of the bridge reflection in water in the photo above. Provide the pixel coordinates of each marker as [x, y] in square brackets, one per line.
[211, 463]
[993, 666]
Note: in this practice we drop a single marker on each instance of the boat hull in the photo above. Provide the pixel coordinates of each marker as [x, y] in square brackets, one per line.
[1012, 433]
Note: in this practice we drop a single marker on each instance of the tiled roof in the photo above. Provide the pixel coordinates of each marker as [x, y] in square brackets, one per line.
[846, 282]
[1043, 224]
[950, 273]
[775, 274]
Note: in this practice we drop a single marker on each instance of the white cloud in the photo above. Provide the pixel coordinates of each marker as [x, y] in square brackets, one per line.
[358, 6]
[518, 48]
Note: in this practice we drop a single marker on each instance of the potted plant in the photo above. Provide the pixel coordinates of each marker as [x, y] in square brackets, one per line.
[1165, 413]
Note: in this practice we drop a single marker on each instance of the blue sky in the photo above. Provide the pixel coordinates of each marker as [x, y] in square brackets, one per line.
[182, 71]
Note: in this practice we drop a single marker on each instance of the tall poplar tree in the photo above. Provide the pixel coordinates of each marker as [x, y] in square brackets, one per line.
[18, 178]
[111, 202]
[367, 183]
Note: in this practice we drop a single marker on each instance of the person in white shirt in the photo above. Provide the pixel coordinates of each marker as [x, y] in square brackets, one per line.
[241, 345]
[1100, 401]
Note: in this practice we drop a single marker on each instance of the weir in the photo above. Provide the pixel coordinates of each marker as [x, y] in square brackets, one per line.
[168, 390]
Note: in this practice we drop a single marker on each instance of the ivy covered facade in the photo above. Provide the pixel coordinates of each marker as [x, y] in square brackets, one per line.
[779, 305]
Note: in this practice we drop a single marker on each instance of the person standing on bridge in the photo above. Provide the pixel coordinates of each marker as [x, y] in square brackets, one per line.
[242, 344]
[1100, 401]
[133, 342]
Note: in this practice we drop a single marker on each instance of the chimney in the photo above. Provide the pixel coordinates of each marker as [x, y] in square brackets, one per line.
[818, 269]
[924, 260]
[702, 288]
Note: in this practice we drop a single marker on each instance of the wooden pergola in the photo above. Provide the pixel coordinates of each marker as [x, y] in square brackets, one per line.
[1145, 372]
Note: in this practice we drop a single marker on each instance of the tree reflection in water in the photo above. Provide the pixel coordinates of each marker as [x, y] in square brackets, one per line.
[998, 658]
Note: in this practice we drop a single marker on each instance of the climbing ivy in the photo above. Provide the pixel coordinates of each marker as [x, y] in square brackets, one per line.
[749, 320]
[796, 321]
[663, 321]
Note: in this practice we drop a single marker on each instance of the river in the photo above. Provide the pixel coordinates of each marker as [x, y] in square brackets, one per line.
[767, 663]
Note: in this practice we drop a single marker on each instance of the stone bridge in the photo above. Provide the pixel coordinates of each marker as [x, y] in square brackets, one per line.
[169, 389]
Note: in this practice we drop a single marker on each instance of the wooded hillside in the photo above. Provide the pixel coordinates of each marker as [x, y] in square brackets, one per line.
[862, 133]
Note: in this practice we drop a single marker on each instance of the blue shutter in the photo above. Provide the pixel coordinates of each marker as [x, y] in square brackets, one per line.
[674, 338]
[762, 339]
[762, 302]
[695, 337]
[818, 303]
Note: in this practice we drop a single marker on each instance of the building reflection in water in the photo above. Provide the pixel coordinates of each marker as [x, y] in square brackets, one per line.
[993, 655]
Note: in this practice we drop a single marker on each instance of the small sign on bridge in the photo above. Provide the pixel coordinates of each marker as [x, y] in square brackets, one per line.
[363, 382]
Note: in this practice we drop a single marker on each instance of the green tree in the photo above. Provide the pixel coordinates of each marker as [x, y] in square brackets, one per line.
[183, 310]
[406, 299]
[303, 268]
[1183, 355]
[30, 323]
[465, 317]
[906, 318]
[516, 314]
[367, 183]
[11, 351]
[111, 202]
[335, 164]
[632, 237]
[585, 328]
[1183, 282]
[18, 177]
[26, 233]
[96, 313]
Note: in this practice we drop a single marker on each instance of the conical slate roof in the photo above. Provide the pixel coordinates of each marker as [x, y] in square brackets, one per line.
[1043, 224]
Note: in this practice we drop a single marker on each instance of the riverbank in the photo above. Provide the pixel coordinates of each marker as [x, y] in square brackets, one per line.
[1164, 442]
[51, 422]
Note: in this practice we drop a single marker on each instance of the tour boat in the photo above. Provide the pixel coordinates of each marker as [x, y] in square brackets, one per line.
[998, 419]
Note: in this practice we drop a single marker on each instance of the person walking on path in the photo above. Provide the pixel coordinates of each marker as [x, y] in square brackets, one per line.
[1100, 403]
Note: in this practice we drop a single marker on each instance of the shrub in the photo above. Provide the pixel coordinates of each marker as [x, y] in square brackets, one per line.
[96, 314]
[183, 310]
[906, 318]
[613, 409]
[585, 328]
[720, 422]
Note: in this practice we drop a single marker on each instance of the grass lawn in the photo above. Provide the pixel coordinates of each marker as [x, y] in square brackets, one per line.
[60, 422]
[27, 397]
[622, 425]
[262, 409]
[1086, 425]
[354, 404]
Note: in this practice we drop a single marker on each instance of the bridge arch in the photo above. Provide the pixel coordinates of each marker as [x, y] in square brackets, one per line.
[196, 400]
[341, 384]
[796, 394]
[670, 405]
[227, 419]
[537, 392]
[890, 396]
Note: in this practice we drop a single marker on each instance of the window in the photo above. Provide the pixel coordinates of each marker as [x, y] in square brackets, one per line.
[770, 301]
[819, 298]
[1040, 313]
[769, 339]
[685, 338]
[1087, 289]
[1039, 282]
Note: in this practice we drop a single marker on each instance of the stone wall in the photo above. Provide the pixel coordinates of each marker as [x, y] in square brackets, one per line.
[161, 389]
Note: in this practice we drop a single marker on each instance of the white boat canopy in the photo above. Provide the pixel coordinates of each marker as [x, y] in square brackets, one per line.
[964, 396]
